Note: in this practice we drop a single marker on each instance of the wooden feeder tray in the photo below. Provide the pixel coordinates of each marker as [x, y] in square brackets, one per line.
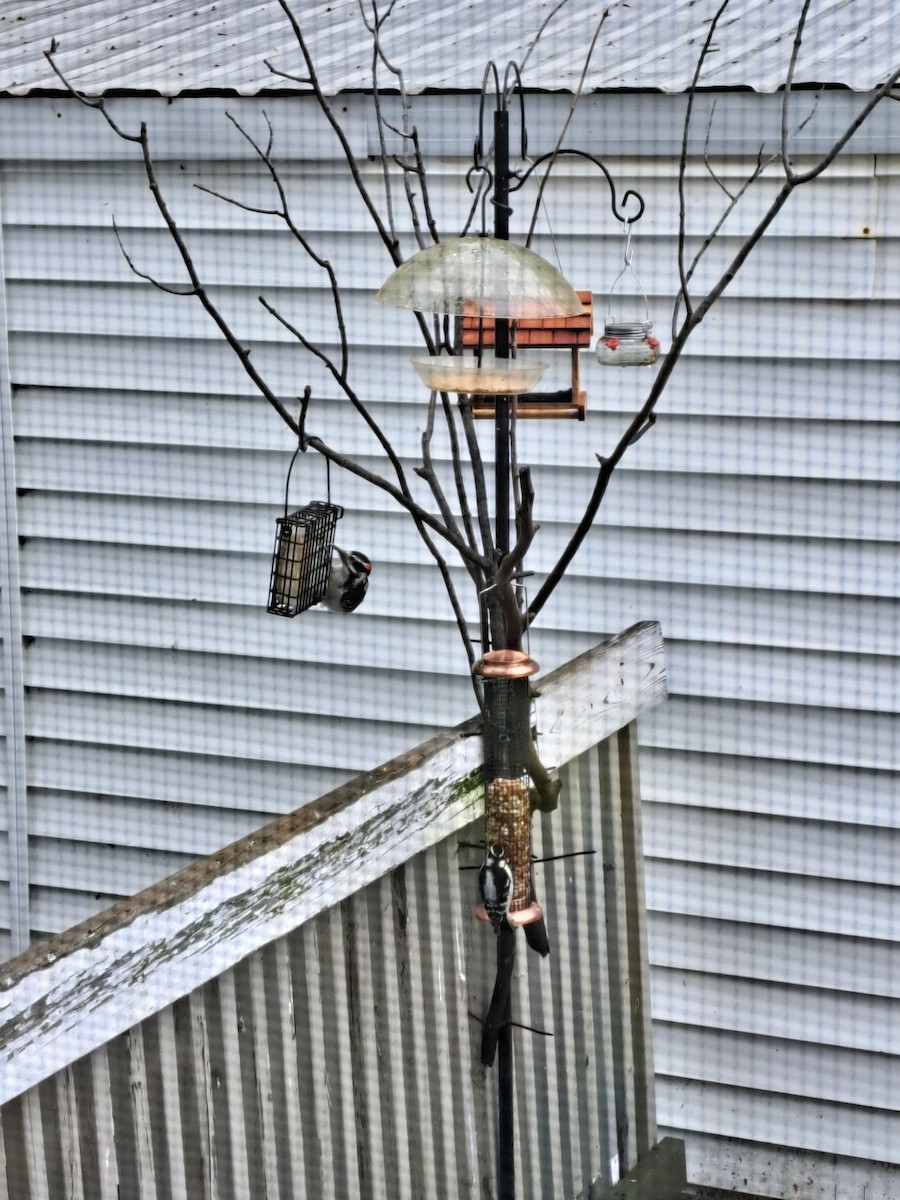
[301, 562]
[545, 333]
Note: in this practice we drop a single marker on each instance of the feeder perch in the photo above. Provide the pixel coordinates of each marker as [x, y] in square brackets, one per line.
[571, 332]
[301, 563]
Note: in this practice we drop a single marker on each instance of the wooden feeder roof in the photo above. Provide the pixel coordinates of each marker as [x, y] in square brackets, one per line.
[537, 332]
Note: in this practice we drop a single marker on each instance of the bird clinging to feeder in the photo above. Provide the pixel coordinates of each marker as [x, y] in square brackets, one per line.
[348, 581]
[495, 883]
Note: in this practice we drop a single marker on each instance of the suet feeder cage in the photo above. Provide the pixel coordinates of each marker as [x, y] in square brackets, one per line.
[507, 804]
[572, 332]
[301, 563]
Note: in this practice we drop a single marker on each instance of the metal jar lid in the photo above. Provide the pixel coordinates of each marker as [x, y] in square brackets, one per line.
[626, 329]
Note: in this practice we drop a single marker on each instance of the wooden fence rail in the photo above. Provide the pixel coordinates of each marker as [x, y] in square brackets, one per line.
[297, 1015]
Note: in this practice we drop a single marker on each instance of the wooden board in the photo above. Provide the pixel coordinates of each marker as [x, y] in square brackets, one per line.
[73, 992]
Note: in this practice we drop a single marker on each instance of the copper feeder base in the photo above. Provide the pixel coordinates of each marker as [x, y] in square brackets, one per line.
[522, 916]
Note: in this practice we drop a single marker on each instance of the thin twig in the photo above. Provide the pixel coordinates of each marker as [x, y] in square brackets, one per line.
[182, 290]
[142, 140]
[683, 293]
[788, 88]
[713, 175]
[579, 89]
[405, 501]
[428, 473]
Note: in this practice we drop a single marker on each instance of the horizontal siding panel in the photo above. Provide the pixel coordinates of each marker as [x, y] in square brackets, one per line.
[54, 909]
[745, 327]
[214, 576]
[136, 823]
[774, 1120]
[802, 1069]
[860, 966]
[285, 736]
[57, 130]
[781, 447]
[380, 641]
[848, 795]
[843, 737]
[242, 683]
[789, 846]
[844, 268]
[700, 505]
[825, 388]
[316, 687]
[124, 870]
[696, 557]
[766, 898]
[757, 675]
[183, 779]
[775, 1010]
[90, 191]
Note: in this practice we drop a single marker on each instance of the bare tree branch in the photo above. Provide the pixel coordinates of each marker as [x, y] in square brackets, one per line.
[427, 472]
[284, 213]
[640, 423]
[391, 243]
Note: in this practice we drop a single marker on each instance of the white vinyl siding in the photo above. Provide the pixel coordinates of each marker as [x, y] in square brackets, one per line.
[167, 713]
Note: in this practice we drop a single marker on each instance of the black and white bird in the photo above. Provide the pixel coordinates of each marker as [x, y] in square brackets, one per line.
[495, 882]
[348, 581]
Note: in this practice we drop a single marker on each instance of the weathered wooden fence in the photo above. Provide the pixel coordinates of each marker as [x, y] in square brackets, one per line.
[297, 1015]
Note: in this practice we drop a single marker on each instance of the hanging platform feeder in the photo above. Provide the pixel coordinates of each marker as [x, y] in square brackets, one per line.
[490, 376]
[557, 333]
[301, 563]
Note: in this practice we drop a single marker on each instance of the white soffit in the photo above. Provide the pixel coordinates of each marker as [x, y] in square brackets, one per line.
[175, 46]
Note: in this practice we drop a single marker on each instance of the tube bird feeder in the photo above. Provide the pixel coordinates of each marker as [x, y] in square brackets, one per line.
[507, 802]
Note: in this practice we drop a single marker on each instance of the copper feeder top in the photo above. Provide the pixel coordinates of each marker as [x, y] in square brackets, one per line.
[506, 664]
[524, 916]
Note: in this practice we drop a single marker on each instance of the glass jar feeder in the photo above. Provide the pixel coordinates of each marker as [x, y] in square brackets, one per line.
[627, 343]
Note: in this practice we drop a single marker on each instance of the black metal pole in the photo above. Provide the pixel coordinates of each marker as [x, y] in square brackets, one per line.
[506, 947]
[501, 334]
[506, 1133]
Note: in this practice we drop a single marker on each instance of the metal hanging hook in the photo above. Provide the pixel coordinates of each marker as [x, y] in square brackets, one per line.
[628, 258]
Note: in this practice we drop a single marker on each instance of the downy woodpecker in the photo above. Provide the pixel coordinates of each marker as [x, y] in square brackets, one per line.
[495, 882]
[348, 581]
